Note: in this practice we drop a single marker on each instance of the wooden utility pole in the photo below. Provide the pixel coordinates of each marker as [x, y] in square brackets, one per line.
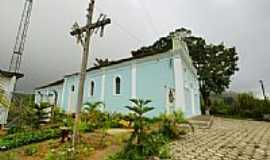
[263, 90]
[83, 36]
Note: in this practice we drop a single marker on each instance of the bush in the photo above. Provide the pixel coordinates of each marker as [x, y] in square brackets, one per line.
[250, 107]
[15, 129]
[31, 150]
[219, 107]
[154, 145]
[170, 125]
[20, 139]
[86, 127]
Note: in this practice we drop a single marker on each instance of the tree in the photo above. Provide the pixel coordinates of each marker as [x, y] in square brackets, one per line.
[101, 62]
[215, 65]
[139, 109]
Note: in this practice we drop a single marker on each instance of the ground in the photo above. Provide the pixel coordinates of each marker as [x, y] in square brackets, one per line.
[227, 139]
[113, 143]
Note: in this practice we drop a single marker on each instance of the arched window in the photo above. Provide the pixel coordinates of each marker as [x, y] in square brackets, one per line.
[92, 88]
[72, 88]
[117, 85]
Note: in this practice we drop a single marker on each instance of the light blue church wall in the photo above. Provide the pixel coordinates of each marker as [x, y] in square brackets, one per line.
[116, 103]
[96, 78]
[153, 79]
[69, 96]
[191, 89]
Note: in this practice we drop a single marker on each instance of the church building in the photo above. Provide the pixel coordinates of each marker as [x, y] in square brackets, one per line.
[163, 73]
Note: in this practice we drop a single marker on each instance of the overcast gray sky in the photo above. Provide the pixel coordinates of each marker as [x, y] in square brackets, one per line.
[50, 51]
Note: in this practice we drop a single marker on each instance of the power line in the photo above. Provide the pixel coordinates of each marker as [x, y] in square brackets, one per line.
[150, 20]
[123, 29]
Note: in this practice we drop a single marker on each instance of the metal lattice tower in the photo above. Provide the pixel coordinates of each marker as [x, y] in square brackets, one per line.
[16, 59]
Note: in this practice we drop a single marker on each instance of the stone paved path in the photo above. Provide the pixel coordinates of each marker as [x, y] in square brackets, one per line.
[227, 140]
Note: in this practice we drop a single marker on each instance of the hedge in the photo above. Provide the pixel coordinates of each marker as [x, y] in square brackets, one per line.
[20, 139]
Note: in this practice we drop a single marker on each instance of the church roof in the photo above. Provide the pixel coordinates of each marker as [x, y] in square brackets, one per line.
[61, 81]
[111, 63]
[11, 74]
[161, 46]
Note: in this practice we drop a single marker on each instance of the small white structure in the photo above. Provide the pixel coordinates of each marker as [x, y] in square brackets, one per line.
[7, 86]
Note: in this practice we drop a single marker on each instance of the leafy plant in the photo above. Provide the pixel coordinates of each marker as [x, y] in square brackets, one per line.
[92, 114]
[31, 150]
[219, 107]
[24, 138]
[140, 108]
[171, 125]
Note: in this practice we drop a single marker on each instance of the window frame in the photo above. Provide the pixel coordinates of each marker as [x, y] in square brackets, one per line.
[115, 85]
[92, 88]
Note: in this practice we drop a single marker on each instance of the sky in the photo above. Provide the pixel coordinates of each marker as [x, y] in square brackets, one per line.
[50, 51]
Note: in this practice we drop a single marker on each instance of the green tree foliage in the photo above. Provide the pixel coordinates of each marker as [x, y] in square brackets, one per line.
[215, 64]
[101, 62]
[250, 107]
[162, 45]
[139, 109]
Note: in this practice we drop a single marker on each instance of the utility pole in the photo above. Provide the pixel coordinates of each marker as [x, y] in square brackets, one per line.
[263, 90]
[83, 36]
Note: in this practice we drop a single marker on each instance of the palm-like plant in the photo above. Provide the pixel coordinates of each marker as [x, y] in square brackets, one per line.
[89, 107]
[92, 114]
[139, 109]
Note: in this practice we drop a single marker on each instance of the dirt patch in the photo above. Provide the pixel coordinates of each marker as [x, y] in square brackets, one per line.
[103, 146]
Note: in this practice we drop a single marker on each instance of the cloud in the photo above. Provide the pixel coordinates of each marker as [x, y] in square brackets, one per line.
[50, 51]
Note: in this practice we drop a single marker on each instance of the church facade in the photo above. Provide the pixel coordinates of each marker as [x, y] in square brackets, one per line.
[168, 78]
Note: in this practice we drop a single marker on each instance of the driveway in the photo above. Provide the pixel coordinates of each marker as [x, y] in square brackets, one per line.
[228, 139]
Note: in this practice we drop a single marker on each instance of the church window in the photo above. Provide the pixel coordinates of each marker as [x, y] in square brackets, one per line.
[92, 88]
[117, 85]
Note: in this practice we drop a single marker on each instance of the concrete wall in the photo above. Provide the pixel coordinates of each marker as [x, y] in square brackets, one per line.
[7, 85]
[48, 95]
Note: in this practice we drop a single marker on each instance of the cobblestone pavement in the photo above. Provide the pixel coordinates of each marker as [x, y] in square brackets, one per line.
[228, 139]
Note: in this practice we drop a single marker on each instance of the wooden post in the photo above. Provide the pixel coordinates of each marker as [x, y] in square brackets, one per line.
[88, 29]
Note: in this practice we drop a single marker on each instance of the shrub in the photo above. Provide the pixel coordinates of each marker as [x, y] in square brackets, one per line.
[24, 138]
[86, 127]
[154, 145]
[15, 129]
[146, 144]
[219, 107]
[31, 150]
[170, 125]
[251, 107]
